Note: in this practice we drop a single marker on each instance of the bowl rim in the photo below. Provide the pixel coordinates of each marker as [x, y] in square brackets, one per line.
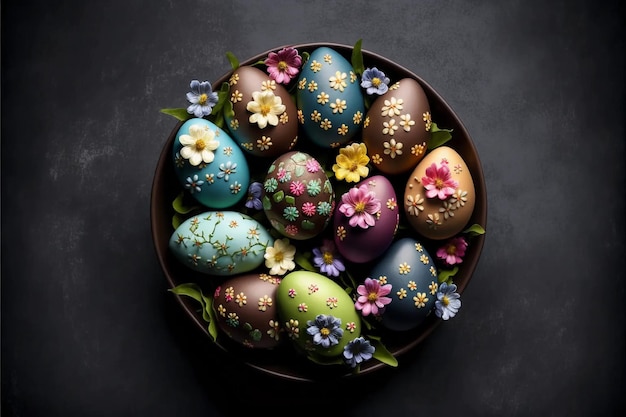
[470, 263]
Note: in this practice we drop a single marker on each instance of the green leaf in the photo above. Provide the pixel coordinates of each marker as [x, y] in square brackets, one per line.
[305, 57]
[303, 261]
[381, 353]
[228, 109]
[180, 206]
[179, 113]
[190, 290]
[438, 136]
[357, 58]
[475, 230]
[446, 275]
[234, 62]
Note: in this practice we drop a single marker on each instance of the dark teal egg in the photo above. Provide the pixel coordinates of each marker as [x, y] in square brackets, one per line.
[330, 99]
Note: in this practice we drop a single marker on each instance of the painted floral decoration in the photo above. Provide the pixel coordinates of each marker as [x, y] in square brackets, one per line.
[372, 297]
[357, 351]
[279, 258]
[202, 98]
[438, 181]
[453, 251]
[352, 163]
[448, 301]
[375, 81]
[360, 205]
[198, 145]
[327, 259]
[283, 65]
[265, 108]
[325, 329]
[254, 196]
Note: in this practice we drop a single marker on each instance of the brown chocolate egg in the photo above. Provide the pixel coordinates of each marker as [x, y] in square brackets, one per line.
[245, 310]
[396, 129]
[265, 120]
[439, 195]
[298, 198]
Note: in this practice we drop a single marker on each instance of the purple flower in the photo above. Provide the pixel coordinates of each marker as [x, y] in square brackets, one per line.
[283, 65]
[375, 81]
[325, 258]
[325, 329]
[360, 205]
[357, 351]
[448, 301]
[453, 251]
[202, 98]
[254, 196]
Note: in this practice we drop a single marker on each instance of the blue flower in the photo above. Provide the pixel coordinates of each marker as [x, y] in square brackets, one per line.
[326, 330]
[254, 193]
[226, 169]
[448, 301]
[202, 98]
[357, 351]
[194, 184]
[374, 81]
[326, 259]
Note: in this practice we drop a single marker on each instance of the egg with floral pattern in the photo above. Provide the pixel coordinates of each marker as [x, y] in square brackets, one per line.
[397, 128]
[209, 164]
[363, 241]
[439, 195]
[264, 120]
[220, 243]
[412, 273]
[297, 197]
[317, 314]
[245, 310]
[329, 99]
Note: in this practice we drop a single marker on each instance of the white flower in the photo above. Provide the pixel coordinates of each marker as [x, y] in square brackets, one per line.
[279, 258]
[265, 108]
[198, 145]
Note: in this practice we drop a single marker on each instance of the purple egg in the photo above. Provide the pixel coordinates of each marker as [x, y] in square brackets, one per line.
[355, 242]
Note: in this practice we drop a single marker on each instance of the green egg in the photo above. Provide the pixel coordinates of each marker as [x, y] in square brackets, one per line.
[310, 303]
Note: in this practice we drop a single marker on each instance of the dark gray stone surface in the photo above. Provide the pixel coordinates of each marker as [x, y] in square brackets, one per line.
[88, 328]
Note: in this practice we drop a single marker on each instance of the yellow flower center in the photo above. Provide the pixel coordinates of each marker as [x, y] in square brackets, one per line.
[324, 331]
[372, 296]
[265, 109]
[354, 166]
[200, 145]
[439, 183]
[451, 250]
[282, 66]
[203, 98]
[328, 258]
[376, 81]
[445, 300]
[278, 257]
[359, 207]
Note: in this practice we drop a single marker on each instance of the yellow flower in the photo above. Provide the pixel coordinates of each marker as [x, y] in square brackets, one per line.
[352, 163]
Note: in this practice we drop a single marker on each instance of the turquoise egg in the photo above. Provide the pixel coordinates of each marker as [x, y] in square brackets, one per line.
[220, 243]
[412, 273]
[221, 178]
[330, 99]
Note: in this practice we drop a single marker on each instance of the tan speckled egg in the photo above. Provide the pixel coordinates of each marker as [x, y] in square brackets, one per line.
[396, 129]
[260, 139]
[439, 195]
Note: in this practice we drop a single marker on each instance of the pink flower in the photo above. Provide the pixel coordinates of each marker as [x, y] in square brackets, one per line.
[360, 205]
[438, 182]
[453, 251]
[284, 65]
[372, 298]
[296, 188]
[308, 208]
[312, 165]
[291, 229]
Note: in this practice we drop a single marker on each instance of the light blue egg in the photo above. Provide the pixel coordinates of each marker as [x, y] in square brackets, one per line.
[220, 183]
[220, 243]
[412, 273]
[330, 97]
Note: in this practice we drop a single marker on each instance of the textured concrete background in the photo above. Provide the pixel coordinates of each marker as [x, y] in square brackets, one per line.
[87, 326]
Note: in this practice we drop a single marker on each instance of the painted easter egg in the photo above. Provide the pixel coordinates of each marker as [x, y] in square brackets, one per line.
[264, 119]
[360, 240]
[412, 273]
[329, 99]
[209, 164]
[439, 195]
[245, 310]
[220, 243]
[297, 197]
[318, 315]
[396, 130]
